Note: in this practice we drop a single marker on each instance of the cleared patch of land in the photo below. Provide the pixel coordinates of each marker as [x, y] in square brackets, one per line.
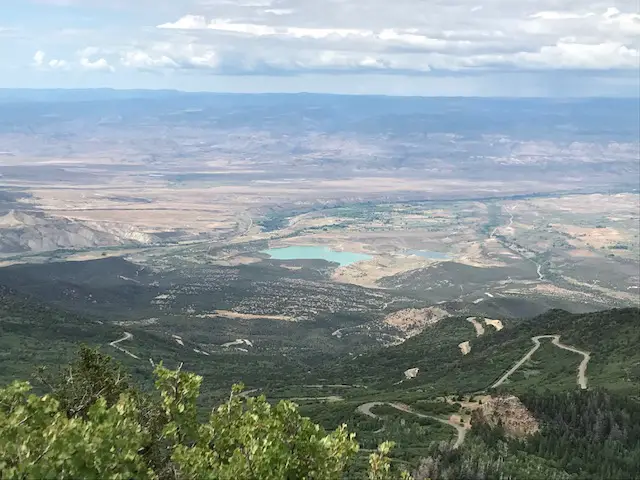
[497, 324]
[465, 347]
[477, 325]
[413, 321]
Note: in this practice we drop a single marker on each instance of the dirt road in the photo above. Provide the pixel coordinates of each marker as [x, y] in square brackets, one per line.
[539, 272]
[330, 399]
[127, 336]
[510, 212]
[365, 409]
[582, 369]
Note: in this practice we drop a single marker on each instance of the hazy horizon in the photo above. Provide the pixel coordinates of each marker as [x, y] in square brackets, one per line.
[150, 90]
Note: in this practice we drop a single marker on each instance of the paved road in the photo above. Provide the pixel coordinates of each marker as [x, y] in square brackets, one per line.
[365, 409]
[582, 369]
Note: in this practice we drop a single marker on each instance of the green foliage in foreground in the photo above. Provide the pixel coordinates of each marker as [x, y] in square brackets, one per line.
[94, 424]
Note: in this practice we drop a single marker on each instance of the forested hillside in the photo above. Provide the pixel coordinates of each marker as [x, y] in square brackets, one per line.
[96, 420]
[610, 336]
[589, 433]
[34, 334]
[584, 435]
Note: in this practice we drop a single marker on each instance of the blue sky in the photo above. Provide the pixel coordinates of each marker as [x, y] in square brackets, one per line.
[403, 47]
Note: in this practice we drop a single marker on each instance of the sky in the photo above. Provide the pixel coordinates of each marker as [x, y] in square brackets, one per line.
[394, 47]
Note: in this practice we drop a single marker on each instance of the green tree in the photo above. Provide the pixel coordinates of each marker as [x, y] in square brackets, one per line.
[40, 441]
[101, 427]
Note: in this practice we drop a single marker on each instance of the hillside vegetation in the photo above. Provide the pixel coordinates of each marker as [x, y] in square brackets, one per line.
[34, 334]
[95, 423]
[611, 336]
[576, 426]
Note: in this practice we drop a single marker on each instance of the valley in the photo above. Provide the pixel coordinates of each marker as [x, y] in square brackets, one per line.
[433, 283]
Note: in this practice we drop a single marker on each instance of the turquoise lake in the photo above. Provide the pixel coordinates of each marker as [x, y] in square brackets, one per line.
[316, 253]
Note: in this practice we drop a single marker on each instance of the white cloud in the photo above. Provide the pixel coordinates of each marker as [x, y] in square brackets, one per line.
[188, 22]
[100, 65]
[58, 64]
[144, 61]
[565, 55]
[450, 35]
[192, 56]
[191, 22]
[172, 56]
[609, 55]
[87, 52]
[38, 58]
[611, 22]
[279, 11]
[362, 40]
[40, 61]
[402, 37]
[624, 23]
[551, 15]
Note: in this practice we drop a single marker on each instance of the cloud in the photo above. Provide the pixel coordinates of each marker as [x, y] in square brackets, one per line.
[400, 37]
[225, 61]
[144, 61]
[233, 62]
[40, 61]
[99, 65]
[38, 58]
[87, 52]
[625, 23]
[58, 64]
[551, 15]
[455, 35]
[609, 55]
[279, 11]
[188, 22]
[192, 22]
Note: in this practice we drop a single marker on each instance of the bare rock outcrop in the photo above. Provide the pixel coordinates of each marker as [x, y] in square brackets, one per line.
[412, 321]
[465, 347]
[411, 373]
[509, 411]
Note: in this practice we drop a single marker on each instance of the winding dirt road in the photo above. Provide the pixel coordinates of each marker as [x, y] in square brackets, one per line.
[582, 369]
[539, 272]
[127, 336]
[365, 409]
